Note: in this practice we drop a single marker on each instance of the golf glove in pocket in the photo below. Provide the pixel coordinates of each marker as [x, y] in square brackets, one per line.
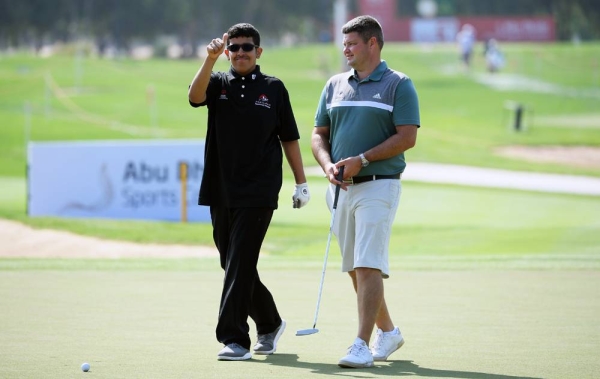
[301, 195]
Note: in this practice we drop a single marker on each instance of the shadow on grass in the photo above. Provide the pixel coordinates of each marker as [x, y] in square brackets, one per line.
[390, 368]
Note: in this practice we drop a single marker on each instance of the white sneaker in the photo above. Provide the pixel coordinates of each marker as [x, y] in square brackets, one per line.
[386, 343]
[358, 356]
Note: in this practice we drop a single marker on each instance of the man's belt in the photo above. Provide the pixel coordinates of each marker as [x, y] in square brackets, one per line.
[368, 178]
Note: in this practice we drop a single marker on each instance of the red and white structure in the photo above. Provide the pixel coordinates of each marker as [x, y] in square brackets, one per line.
[444, 29]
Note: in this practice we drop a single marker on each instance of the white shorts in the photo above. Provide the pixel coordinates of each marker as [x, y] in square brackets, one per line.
[363, 223]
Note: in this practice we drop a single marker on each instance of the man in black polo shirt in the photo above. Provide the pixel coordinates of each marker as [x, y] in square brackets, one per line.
[250, 119]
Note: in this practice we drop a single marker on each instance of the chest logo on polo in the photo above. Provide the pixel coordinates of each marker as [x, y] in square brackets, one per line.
[377, 96]
[223, 95]
[263, 101]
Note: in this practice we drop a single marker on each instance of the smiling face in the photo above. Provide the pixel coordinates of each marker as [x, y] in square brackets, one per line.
[243, 62]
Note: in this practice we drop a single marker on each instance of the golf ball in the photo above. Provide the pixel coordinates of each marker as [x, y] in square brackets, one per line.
[85, 367]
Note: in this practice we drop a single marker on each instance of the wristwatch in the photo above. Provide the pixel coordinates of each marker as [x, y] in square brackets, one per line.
[363, 160]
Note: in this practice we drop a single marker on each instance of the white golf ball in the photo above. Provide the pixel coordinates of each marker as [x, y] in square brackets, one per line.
[85, 367]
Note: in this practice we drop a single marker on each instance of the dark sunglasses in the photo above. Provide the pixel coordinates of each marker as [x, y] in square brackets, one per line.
[247, 47]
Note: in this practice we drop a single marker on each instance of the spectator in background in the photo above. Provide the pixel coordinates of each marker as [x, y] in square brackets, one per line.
[466, 41]
[493, 56]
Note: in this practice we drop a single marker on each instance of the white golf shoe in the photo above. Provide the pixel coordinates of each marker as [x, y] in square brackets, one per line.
[386, 343]
[359, 356]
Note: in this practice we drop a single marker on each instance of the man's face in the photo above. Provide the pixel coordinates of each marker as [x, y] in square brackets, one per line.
[356, 51]
[243, 62]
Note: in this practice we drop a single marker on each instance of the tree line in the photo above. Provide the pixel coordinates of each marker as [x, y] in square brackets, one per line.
[193, 21]
[121, 21]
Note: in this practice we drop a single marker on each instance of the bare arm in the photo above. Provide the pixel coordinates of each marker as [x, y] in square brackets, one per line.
[197, 91]
[294, 158]
[321, 149]
[404, 139]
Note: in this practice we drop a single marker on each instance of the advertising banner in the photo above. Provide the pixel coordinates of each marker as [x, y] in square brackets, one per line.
[432, 28]
[514, 29]
[116, 179]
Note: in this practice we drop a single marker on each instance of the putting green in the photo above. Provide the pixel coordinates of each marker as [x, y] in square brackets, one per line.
[474, 323]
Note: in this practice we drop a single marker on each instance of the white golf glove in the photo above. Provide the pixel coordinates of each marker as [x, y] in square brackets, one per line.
[301, 195]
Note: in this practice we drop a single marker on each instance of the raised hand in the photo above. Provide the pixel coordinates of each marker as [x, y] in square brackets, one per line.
[216, 47]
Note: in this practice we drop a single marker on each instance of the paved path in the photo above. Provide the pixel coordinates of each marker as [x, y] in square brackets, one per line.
[496, 178]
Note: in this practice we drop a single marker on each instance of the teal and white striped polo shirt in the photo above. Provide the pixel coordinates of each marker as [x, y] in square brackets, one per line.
[364, 113]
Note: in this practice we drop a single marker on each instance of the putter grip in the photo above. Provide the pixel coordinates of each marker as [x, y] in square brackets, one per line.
[340, 177]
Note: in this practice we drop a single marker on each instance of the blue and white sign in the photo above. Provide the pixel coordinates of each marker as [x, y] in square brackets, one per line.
[115, 179]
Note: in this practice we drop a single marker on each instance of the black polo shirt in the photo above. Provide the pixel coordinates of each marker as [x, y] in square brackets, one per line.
[248, 116]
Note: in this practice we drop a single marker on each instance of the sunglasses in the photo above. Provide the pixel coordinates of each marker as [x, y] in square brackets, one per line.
[247, 47]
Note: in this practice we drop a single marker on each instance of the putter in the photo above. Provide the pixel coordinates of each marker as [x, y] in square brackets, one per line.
[313, 330]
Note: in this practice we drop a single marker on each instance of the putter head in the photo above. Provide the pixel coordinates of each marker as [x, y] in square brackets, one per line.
[307, 332]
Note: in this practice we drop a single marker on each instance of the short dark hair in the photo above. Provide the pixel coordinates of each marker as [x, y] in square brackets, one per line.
[367, 27]
[244, 30]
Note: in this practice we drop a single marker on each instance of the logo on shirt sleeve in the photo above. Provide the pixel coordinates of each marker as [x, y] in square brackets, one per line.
[263, 101]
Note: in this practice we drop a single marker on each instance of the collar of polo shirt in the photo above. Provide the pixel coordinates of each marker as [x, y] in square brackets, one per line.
[251, 76]
[376, 75]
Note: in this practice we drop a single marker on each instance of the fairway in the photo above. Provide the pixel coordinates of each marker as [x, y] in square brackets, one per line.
[160, 324]
[485, 283]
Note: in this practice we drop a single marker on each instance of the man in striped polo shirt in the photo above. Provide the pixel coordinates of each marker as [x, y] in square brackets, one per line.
[365, 121]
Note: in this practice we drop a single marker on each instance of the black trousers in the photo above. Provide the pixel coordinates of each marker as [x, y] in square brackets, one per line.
[238, 234]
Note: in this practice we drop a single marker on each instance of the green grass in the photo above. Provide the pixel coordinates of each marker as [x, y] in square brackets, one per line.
[437, 220]
[463, 120]
[160, 324]
[486, 283]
